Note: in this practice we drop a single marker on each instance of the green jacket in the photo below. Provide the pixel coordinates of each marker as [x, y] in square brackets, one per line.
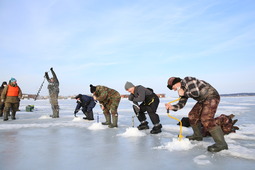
[104, 94]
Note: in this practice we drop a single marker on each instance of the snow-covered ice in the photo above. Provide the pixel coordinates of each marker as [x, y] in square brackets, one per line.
[36, 141]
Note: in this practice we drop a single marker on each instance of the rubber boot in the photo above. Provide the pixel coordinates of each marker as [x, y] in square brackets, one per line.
[197, 133]
[86, 115]
[114, 121]
[156, 129]
[218, 137]
[13, 115]
[90, 115]
[143, 125]
[108, 119]
[6, 115]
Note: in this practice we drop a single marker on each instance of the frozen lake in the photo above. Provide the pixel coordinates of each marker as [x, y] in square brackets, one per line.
[36, 141]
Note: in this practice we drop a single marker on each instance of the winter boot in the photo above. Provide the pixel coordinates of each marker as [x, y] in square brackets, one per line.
[143, 125]
[5, 116]
[218, 137]
[90, 115]
[156, 129]
[197, 133]
[114, 121]
[108, 119]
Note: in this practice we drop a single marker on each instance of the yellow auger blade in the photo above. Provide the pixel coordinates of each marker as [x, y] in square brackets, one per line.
[180, 134]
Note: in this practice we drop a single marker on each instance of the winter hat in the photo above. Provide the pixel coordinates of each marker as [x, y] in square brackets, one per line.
[4, 83]
[78, 96]
[92, 88]
[172, 81]
[128, 85]
[13, 80]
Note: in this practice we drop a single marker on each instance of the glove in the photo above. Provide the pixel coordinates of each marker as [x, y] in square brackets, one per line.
[51, 69]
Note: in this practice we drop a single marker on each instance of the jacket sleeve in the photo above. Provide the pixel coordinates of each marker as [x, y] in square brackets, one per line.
[20, 93]
[191, 89]
[47, 76]
[182, 102]
[78, 106]
[141, 95]
[131, 97]
[55, 76]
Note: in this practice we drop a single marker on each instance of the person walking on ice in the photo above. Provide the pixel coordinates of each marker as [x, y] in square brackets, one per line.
[204, 110]
[150, 102]
[53, 88]
[109, 100]
[87, 103]
[11, 96]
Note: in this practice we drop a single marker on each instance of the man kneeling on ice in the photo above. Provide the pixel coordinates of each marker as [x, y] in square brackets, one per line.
[87, 103]
[204, 110]
[150, 102]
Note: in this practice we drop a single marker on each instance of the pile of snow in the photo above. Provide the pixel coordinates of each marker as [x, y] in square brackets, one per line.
[45, 117]
[97, 126]
[177, 145]
[201, 160]
[77, 119]
[132, 132]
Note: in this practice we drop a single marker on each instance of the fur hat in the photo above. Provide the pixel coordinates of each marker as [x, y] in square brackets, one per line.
[172, 81]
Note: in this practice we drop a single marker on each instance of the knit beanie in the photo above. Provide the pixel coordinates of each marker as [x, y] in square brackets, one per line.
[78, 96]
[128, 85]
[13, 80]
[92, 88]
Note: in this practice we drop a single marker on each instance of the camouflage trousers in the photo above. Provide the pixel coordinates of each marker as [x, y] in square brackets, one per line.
[204, 112]
[112, 105]
[226, 123]
[54, 105]
[10, 106]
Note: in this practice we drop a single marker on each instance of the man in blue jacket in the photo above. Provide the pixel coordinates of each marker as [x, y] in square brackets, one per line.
[87, 103]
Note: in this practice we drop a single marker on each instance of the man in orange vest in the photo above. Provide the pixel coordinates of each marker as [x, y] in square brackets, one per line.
[11, 96]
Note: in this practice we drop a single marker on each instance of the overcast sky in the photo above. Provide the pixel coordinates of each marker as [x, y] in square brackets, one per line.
[109, 42]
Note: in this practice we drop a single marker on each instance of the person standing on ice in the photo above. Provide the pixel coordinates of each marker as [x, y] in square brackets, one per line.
[4, 84]
[109, 100]
[150, 102]
[87, 103]
[53, 88]
[204, 110]
[11, 96]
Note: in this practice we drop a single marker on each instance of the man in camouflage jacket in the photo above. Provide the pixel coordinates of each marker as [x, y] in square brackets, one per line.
[109, 100]
[53, 88]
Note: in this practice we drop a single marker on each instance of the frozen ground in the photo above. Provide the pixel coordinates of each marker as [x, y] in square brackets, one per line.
[36, 141]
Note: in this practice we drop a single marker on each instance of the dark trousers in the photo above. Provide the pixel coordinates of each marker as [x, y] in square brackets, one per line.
[151, 110]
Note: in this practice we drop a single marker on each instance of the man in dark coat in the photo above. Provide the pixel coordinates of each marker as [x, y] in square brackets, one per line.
[150, 102]
[4, 84]
[204, 110]
[87, 103]
[53, 88]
